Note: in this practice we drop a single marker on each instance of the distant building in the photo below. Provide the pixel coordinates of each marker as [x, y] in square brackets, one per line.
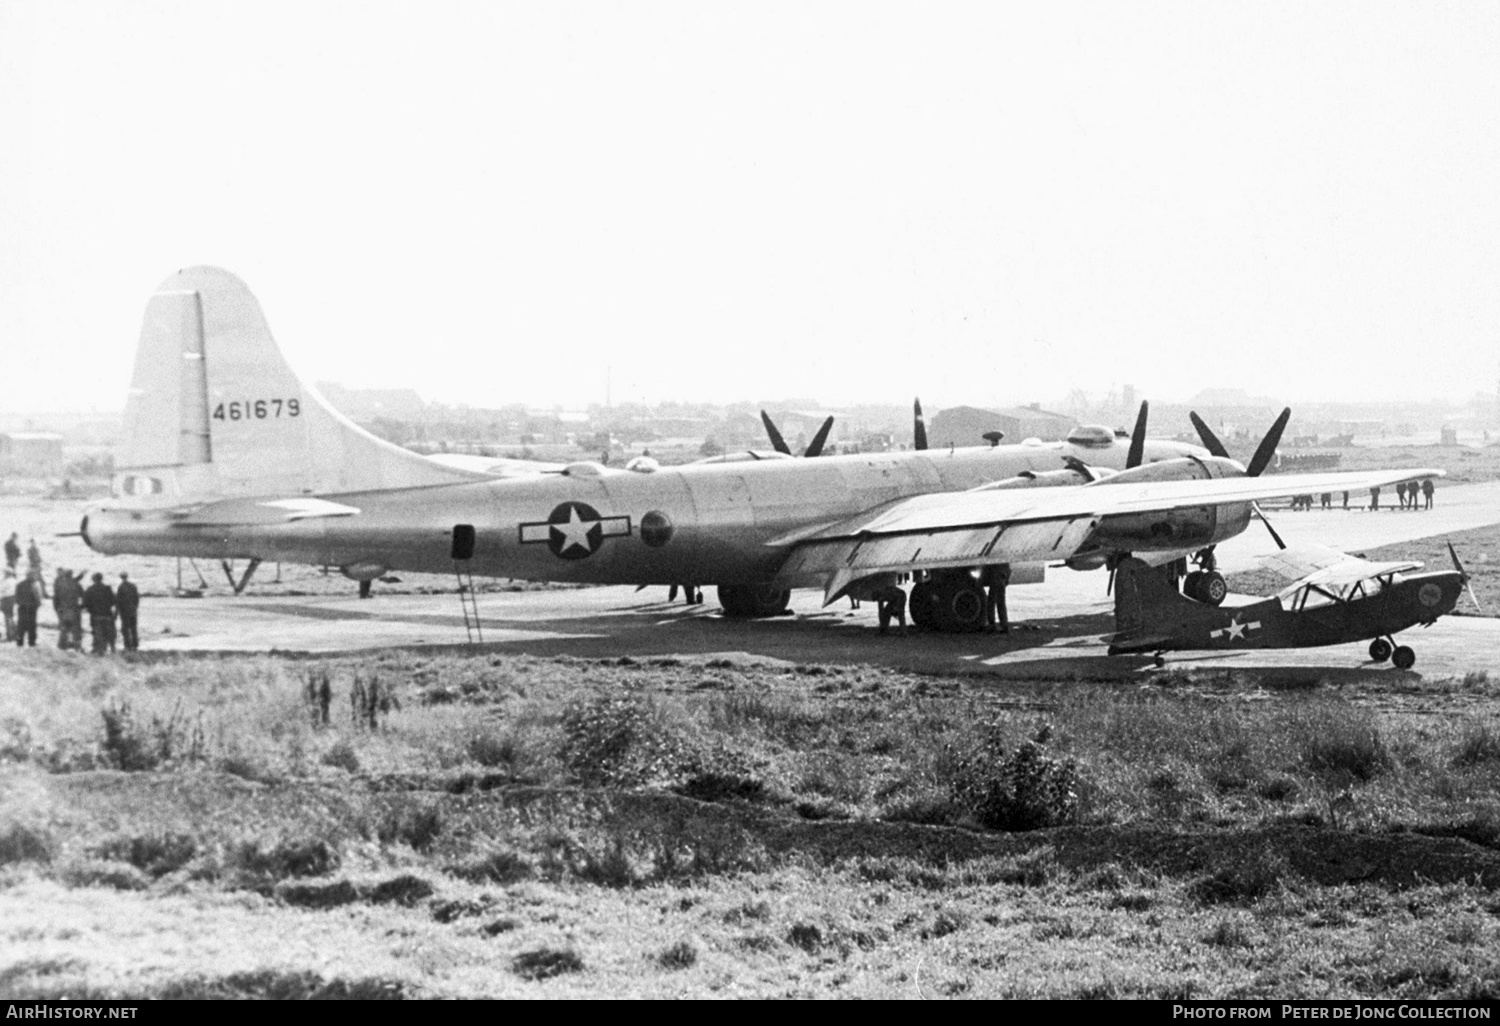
[967, 425]
[31, 453]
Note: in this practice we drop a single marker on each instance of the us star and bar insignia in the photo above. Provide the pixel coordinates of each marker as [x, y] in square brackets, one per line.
[574, 530]
[1235, 631]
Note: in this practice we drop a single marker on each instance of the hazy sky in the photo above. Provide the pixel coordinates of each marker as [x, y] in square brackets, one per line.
[493, 202]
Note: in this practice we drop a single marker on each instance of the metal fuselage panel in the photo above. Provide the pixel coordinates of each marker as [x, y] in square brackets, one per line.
[705, 523]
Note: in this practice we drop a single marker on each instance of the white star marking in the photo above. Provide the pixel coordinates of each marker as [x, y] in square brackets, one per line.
[575, 532]
[1236, 630]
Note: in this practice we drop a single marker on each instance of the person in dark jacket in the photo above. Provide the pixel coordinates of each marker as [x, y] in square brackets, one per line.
[128, 601]
[67, 600]
[29, 596]
[99, 600]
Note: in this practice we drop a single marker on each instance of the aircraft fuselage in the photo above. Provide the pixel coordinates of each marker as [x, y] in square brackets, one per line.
[725, 523]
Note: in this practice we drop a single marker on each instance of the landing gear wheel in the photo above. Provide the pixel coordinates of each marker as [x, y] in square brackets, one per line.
[1190, 584]
[960, 607]
[1403, 658]
[749, 601]
[1380, 650]
[921, 606]
[1212, 589]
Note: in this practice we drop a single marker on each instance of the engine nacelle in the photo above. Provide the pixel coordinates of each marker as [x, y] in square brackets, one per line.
[1187, 528]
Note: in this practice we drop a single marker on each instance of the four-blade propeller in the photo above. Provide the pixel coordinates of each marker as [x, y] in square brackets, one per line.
[814, 448]
[1264, 453]
[918, 426]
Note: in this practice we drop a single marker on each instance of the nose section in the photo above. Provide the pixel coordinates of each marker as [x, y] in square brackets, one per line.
[83, 530]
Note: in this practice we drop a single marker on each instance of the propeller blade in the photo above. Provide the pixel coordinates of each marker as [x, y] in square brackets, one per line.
[1267, 521]
[777, 442]
[1268, 444]
[815, 448]
[919, 426]
[1137, 440]
[1463, 575]
[1453, 554]
[1210, 440]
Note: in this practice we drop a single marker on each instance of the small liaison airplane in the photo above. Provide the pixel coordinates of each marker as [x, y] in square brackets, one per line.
[1334, 598]
[228, 456]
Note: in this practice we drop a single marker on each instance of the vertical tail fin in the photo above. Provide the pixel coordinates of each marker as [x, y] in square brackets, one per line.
[214, 410]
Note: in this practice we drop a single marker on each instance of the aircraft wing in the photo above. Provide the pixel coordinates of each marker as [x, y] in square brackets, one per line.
[955, 529]
[1328, 568]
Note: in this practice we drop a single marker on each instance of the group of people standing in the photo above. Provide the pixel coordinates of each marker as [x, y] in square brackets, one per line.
[21, 598]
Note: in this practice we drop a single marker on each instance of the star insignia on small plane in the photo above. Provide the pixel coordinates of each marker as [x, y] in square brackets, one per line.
[1235, 631]
[574, 530]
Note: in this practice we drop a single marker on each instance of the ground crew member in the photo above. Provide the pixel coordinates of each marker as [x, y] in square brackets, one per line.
[128, 601]
[1346, 500]
[995, 578]
[8, 603]
[29, 595]
[99, 600]
[1427, 489]
[67, 597]
[34, 557]
[890, 604]
[12, 551]
[1375, 497]
[1325, 501]
[364, 588]
[1401, 493]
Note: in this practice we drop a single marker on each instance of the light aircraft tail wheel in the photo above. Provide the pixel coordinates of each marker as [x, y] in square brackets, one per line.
[1380, 650]
[1403, 658]
[1212, 589]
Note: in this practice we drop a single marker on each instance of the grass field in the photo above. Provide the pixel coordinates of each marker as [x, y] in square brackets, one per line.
[488, 825]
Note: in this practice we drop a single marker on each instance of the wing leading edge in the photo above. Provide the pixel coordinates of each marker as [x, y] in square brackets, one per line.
[937, 531]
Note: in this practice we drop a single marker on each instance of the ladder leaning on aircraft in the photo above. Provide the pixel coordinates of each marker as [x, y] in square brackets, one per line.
[229, 456]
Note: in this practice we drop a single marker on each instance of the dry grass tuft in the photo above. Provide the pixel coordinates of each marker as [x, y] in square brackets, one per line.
[545, 963]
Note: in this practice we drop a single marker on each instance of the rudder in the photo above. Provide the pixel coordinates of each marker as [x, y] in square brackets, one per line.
[214, 410]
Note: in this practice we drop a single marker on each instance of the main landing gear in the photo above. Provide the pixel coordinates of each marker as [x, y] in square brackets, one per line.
[950, 601]
[1401, 656]
[752, 601]
[1206, 584]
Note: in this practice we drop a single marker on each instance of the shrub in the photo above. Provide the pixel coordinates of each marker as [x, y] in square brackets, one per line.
[342, 756]
[405, 889]
[544, 963]
[1025, 789]
[1479, 746]
[1248, 880]
[1342, 743]
[133, 746]
[23, 844]
[619, 741]
[501, 867]
[306, 857]
[153, 854]
[416, 826]
[98, 873]
[681, 955]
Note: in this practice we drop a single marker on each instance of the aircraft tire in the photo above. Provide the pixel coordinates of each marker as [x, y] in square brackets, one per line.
[1212, 589]
[1380, 650]
[1190, 584]
[921, 606]
[1403, 658]
[750, 601]
[960, 607]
